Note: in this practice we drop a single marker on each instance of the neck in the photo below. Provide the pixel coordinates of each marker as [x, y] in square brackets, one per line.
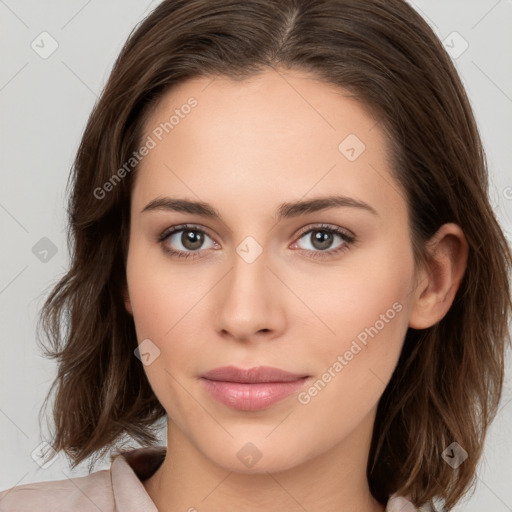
[334, 481]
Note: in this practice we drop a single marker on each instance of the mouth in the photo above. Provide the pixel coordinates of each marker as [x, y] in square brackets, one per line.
[251, 389]
[257, 374]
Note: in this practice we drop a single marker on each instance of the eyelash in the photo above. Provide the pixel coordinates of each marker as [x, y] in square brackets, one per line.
[347, 238]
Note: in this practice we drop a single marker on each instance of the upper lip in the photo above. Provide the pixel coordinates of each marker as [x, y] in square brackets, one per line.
[251, 375]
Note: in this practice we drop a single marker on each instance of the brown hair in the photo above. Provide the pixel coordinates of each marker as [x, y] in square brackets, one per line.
[448, 381]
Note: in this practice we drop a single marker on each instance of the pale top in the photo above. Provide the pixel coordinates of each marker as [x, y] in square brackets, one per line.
[118, 489]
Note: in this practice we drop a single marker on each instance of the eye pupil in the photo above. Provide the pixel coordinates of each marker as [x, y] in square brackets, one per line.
[192, 239]
[321, 239]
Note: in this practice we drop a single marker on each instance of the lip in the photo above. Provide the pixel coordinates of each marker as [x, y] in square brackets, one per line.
[256, 374]
[251, 389]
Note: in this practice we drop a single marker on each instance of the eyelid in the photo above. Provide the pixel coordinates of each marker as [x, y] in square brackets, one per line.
[302, 231]
[181, 227]
[331, 227]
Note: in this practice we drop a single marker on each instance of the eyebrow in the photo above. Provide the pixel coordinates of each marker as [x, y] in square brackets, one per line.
[285, 210]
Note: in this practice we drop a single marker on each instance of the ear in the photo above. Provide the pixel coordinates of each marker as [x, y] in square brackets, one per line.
[438, 283]
[126, 299]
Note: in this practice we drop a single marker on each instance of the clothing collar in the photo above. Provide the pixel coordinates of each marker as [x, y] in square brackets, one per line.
[127, 471]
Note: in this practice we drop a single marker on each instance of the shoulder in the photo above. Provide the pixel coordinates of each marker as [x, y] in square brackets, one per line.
[86, 493]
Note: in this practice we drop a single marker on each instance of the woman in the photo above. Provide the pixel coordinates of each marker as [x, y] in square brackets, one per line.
[277, 217]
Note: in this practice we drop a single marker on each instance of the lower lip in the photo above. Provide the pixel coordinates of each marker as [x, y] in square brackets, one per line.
[251, 397]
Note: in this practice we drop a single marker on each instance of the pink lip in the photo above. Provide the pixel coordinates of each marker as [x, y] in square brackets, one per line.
[251, 375]
[252, 389]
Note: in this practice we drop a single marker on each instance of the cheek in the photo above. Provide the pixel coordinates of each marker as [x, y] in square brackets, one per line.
[366, 311]
[163, 300]
[352, 372]
[168, 303]
[161, 292]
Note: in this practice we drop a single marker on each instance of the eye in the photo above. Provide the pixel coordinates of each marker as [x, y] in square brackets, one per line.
[188, 239]
[322, 237]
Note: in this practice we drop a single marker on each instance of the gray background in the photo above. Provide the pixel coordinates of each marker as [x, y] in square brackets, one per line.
[45, 103]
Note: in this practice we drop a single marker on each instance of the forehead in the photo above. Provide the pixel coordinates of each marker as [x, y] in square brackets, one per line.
[278, 133]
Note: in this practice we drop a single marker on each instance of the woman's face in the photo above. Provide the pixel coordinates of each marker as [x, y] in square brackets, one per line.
[265, 283]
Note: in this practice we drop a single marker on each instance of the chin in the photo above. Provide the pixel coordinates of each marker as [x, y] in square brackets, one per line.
[258, 458]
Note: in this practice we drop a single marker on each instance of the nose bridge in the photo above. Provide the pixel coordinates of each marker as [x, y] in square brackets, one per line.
[248, 277]
[246, 303]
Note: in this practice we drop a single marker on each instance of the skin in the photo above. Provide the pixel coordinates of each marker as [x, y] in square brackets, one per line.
[246, 148]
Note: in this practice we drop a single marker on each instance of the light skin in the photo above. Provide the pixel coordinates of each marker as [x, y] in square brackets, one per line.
[246, 148]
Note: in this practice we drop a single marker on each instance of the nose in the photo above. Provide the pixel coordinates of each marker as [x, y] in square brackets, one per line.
[249, 301]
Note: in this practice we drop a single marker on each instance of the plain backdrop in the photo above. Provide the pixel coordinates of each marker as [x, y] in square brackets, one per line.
[46, 99]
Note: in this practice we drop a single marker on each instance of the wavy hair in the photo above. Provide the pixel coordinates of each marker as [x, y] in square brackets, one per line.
[448, 381]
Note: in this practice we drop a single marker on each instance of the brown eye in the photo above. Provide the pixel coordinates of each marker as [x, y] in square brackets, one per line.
[191, 239]
[321, 240]
[183, 241]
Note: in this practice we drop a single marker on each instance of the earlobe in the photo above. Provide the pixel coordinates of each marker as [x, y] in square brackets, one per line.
[438, 284]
